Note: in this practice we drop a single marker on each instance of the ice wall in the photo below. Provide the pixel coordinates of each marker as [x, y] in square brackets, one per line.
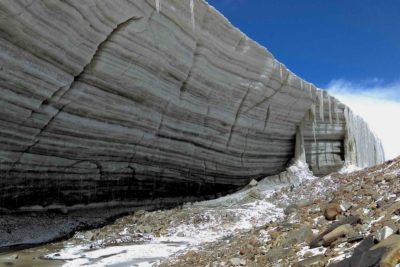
[330, 143]
[360, 141]
[150, 101]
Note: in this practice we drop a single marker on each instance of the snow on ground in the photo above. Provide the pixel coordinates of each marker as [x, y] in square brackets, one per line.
[207, 221]
[349, 168]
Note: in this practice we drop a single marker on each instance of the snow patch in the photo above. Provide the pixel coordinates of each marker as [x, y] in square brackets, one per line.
[349, 168]
[248, 208]
[313, 251]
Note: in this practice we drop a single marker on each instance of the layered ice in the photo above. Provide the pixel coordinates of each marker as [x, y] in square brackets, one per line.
[360, 141]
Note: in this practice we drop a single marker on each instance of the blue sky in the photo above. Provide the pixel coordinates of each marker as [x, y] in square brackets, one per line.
[349, 47]
[323, 40]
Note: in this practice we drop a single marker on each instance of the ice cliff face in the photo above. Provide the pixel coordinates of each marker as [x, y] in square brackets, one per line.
[113, 101]
[334, 136]
[360, 141]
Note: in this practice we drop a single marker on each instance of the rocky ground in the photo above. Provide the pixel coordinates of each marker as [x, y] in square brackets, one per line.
[339, 220]
[295, 219]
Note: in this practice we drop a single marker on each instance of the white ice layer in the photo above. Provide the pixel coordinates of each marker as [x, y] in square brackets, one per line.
[362, 147]
[158, 6]
[349, 168]
[313, 117]
[192, 13]
[314, 113]
[335, 109]
[321, 105]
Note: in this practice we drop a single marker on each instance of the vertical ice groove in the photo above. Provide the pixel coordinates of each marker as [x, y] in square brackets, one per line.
[313, 128]
[301, 84]
[334, 106]
[362, 147]
[314, 117]
[280, 72]
[321, 105]
[192, 13]
[337, 117]
[158, 6]
[330, 109]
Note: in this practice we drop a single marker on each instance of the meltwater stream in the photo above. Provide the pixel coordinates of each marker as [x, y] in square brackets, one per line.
[147, 238]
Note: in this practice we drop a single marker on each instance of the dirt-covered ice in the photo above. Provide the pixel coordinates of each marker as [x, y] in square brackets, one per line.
[148, 238]
[290, 219]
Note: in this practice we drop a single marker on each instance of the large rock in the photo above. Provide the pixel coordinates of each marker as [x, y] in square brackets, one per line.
[111, 101]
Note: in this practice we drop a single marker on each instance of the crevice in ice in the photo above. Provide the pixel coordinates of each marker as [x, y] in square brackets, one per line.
[183, 88]
[267, 117]
[76, 79]
[160, 124]
[237, 115]
[313, 118]
[245, 147]
[271, 96]
[300, 152]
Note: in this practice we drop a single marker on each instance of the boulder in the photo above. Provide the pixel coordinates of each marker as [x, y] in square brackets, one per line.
[332, 210]
[384, 233]
[342, 231]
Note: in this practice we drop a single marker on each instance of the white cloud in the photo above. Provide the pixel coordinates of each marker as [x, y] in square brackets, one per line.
[378, 104]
